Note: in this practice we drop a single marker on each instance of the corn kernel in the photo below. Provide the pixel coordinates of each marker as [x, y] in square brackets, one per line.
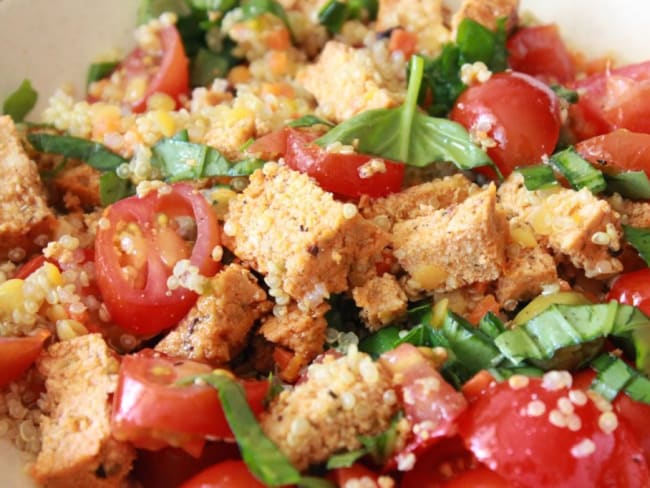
[135, 89]
[53, 274]
[11, 294]
[67, 329]
[238, 114]
[430, 276]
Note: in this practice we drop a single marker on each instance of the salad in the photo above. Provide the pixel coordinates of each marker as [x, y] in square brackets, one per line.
[330, 244]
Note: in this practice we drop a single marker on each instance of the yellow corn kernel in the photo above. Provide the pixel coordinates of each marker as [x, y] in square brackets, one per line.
[135, 89]
[164, 121]
[55, 313]
[523, 236]
[439, 312]
[430, 276]
[237, 114]
[11, 295]
[53, 274]
[542, 302]
[161, 101]
[221, 197]
[67, 329]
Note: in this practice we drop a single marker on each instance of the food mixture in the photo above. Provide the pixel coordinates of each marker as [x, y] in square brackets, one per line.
[326, 243]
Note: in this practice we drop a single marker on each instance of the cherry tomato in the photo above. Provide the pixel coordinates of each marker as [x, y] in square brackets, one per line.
[619, 150]
[438, 464]
[539, 51]
[611, 100]
[518, 112]
[478, 477]
[632, 289]
[343, 476]
[30, 266]
[150, 411]
[514, 431]
[137, 251]
[167, 73]
[227, 474]
[271, 146]
[17, 354]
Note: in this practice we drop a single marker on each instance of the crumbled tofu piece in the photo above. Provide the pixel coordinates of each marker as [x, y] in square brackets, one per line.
[417, 201]
[569, 222]
[453, 247]
[216, 328]
[307, 244]
[487, 12]
[636, 214]
[24, 214]
[229, 133]
[77, 447]
[301, 332]
[341, 399]
[382, 301]
[80, 183]
[422, 17]
[346, 81]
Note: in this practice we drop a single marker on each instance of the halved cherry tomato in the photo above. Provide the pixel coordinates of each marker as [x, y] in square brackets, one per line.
[540, 51]
[136, 253]
[30, 266]
[167, 73]
[534, 435]
[342, 476]
[150, 411]
[614, 99]
[619, 150]
[632, 289]
[227, 474]
[431, 405]
[518, 112]
[17, 354]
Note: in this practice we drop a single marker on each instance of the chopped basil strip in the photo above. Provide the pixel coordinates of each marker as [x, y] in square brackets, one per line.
[334, 13]
[113, 188]
[255, 8]
[478, 43]
[98, 71]
[639, 238]
[407, 135]
[309, 121]
[208, 65]
[502, 374]
[614, 376]
[260, 454]
[538, 177]
[491, 325]
[93, 153]
[629, 184]
[312, 482]
[570, 96]
[345, 459]
[19, 103]
[578, 171]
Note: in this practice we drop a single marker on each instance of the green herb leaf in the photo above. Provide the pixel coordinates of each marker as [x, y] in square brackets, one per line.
[570, 96]
[334, 13]
[404, 134]
[151, 9]
[614, 376]
[255, 8]
[19, 103]
[491, 325]
[345, 459]
[261, 455]
[381, 341]
[208, 65]
[99, 71]
[578, 171]
[478, 43]
[382, 446]
[96, 155]
[639, 238]
[538, 177]
[312, 482]
[629, 184]
[113, 188]
[309, 121]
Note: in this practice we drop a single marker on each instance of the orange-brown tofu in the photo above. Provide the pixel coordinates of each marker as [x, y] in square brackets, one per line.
[381, 301]
[487, 12]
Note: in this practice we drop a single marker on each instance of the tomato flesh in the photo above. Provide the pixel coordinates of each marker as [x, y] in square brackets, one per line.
[619, 150]
[632, 289]
[517, 112]
[17, 354]
[227, 474]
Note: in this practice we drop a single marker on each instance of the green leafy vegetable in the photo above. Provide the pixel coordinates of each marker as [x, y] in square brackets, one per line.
[98, 71]
[478, 43]
[255, 8]
[538, 177]
[312, 482]
[639, 238]
[614, 376]
[629, 184]
[96, 155]
[151, 9]
[113, 188]
[578, 172]
[407, 135]
[208, 65]
[334, 13]
[570, 96]
[345, 459]
[19, 103]
[309, 121]
[260, 454]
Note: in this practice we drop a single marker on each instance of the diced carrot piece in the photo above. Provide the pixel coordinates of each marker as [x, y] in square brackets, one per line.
[278, 39]
[402, 40]
[487, 304]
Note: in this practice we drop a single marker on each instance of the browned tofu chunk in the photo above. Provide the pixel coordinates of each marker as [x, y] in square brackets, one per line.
[346, 81]
[453, 247]
[636, 214]
[307, 244]
[487, 12]
[217, 327]
[79, 186]
[77, 447]
[24, 214]
[342, 399]
[381, 300]
[417, 201]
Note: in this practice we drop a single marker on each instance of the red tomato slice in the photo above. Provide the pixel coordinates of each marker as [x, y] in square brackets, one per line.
[30, 266]
[611, 100]
[17, 354]
[478, 477]
[150, 411]
[510, 430]
[438, 464]
[632, 289]
[540, 51]
[132, 279]
[227, 474]
[431, 405]
[518, 112]
[619, 150]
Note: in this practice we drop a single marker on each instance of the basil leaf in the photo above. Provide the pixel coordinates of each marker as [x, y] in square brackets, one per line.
[478, 43]
[312, 482]
[381, 446]
[208, 65]
[113, 188]
[96, 155]
[491, 325]
[345, 459]
[629, 184]
[639, 238]
[309, 121]
[99, 71]
[20, 102]
[538, 177]
[578, 171]
[381, 341]
[334, 13]
[614, 376]
[570, 96]
[404, 134]
[261, 455]
[255, 8]
[151, 9]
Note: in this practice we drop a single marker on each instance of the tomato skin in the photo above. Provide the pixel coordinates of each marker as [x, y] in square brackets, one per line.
[153, 308]
[17, 354]
[227, 474]
[539, 51]
[150, 411]
[523, 116]
[478, 477]
[528, 451]
[32, 265]
[618, 150]
[632, 289]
